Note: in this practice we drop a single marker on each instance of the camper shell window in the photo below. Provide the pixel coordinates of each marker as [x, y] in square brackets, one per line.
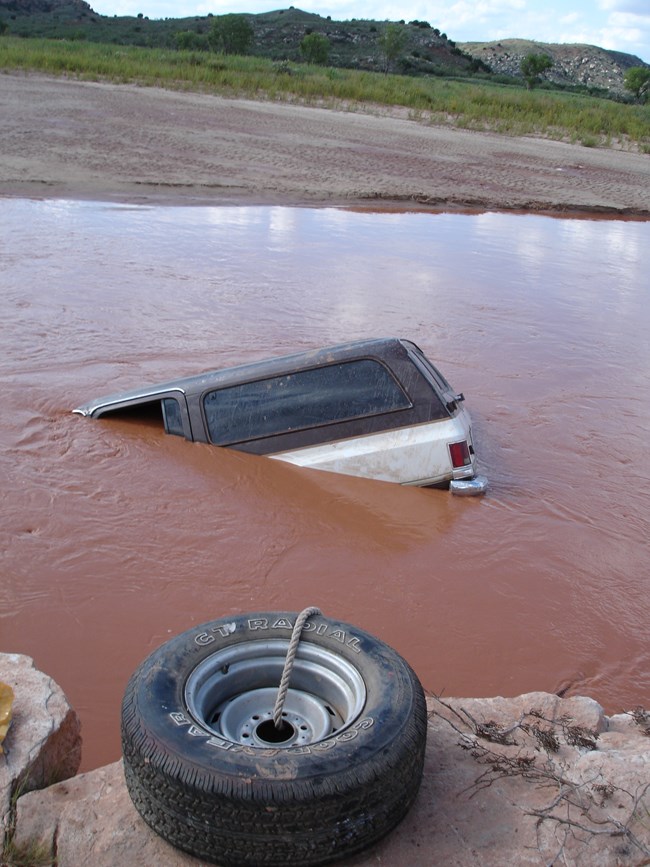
[307, 398]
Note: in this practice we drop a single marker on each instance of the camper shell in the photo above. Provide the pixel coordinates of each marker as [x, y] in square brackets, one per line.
[374, 408]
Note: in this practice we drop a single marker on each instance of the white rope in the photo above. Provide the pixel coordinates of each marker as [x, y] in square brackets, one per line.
[288, 663]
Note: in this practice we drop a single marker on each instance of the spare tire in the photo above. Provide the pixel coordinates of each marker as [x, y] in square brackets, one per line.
[208, 770]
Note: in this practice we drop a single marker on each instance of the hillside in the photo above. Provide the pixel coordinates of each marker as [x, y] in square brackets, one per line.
[277, 35]
[42, 7]
[586, 65]
[354, 44]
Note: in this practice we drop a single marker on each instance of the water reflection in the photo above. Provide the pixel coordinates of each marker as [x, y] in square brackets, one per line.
[117, 536]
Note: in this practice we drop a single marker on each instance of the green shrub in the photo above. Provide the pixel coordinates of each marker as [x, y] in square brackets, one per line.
[315, 48]
[231, 34]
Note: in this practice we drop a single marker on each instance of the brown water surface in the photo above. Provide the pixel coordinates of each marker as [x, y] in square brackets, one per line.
[116, 537]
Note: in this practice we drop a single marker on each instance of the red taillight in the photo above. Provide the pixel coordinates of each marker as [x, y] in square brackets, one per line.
[459, 453]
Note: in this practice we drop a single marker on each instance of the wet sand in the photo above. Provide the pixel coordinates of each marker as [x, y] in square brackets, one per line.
[62, 138]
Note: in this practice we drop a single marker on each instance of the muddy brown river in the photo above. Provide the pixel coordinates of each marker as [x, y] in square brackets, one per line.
[116, 537]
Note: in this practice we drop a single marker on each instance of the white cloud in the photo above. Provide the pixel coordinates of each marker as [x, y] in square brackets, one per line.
[628, 31]
[631, 37]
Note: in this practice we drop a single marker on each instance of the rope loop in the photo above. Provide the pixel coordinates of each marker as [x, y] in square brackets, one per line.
[302, 618]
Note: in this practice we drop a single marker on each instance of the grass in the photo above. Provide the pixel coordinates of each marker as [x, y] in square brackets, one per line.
[473, 105]
[31, 854]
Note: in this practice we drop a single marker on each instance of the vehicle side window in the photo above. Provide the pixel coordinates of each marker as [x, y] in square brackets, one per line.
[308, 398]
[172, 415]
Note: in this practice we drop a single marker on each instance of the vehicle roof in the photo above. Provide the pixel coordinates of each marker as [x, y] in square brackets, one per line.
[380, 348]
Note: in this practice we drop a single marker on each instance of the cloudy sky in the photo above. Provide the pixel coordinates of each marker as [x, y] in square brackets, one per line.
[623, 25]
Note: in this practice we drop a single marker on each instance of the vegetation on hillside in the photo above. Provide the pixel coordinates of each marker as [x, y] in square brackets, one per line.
[231, 34]
[277, 35]
[315, 48]
[533, 66]
[466, 104]
[412, 48]
[637, 80]
[392, 42]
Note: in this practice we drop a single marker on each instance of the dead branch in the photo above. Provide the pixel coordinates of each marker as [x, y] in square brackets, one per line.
[530, 751]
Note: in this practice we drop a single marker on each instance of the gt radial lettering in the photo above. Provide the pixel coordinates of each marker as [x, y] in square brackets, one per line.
[324, 629]
[223, 629]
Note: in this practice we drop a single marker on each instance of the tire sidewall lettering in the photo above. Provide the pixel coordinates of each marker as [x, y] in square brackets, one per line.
[213, 740]
[333, 632]
[166, 721]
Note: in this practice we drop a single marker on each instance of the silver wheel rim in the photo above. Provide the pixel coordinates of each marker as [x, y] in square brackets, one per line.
[232, 694]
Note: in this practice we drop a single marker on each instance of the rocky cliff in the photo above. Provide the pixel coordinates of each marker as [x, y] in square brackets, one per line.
[573, 65]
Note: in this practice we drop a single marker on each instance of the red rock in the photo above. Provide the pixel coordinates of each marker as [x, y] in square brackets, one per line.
[43, 743]
[529, 780]
[466, 815]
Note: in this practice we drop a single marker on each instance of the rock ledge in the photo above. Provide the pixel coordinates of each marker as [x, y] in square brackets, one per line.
[530, 780]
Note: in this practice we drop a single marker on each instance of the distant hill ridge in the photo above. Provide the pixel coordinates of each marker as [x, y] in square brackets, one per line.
[27, 7]
[353, 44]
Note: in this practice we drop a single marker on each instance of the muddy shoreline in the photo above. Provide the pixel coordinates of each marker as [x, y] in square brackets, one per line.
[85, 140]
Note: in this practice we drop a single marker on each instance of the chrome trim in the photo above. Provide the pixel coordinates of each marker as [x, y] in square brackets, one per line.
[469, 487]
[114, 403]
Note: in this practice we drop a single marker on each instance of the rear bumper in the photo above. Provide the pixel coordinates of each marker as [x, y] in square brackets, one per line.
[469, 487]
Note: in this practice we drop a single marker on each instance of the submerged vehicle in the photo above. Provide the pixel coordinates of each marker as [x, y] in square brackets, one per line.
[373, 408]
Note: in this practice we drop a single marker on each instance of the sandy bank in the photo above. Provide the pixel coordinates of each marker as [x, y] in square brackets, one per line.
[75, 139]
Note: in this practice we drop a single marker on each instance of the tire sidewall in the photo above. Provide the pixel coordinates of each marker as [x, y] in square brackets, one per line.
[160, 727]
